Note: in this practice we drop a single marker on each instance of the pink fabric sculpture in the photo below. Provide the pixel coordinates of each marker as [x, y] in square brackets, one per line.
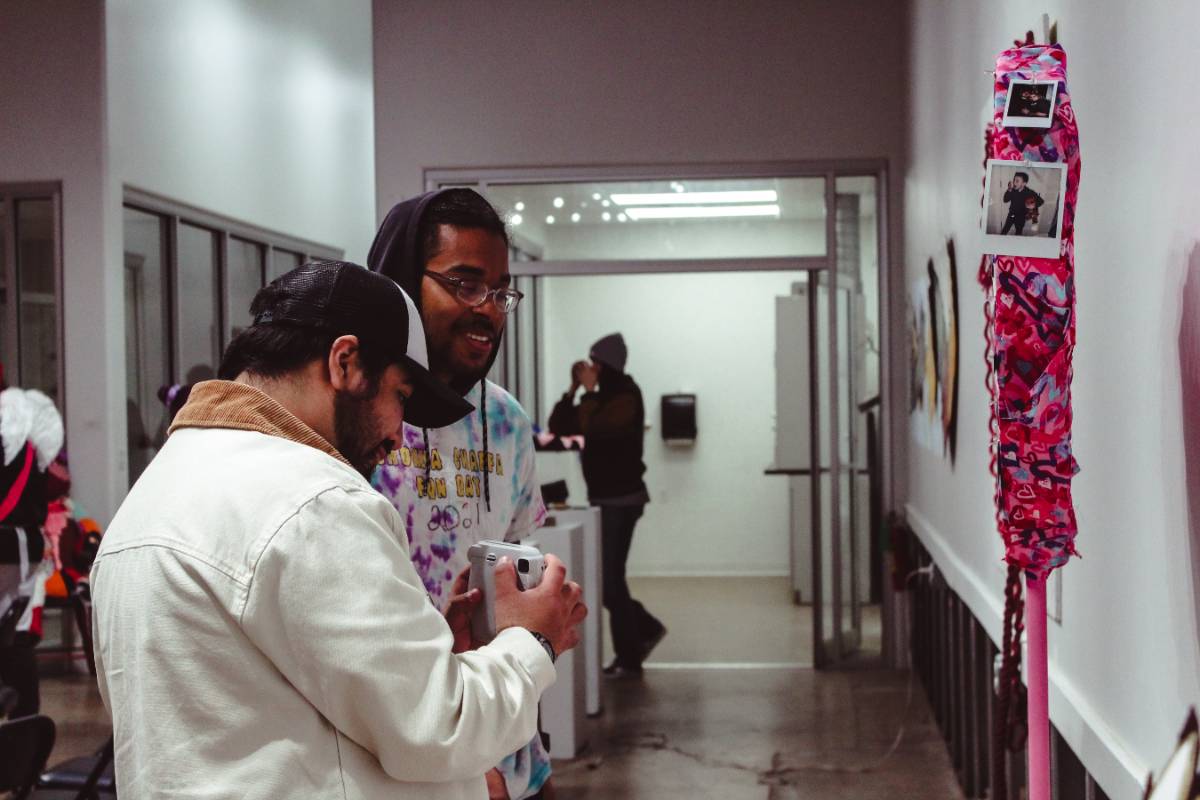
[1031, 337]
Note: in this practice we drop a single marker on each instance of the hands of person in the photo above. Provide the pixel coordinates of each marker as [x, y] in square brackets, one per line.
[589, 376]
[553, 608]
[576, 369]
[497, 788]
[458, 612]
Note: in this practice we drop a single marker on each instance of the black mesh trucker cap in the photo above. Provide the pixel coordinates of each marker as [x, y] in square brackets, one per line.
[345, 298]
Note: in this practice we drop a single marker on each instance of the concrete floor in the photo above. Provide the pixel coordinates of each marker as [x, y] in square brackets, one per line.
[758, 734]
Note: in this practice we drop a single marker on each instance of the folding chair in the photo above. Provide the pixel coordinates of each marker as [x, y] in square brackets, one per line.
[84, 778]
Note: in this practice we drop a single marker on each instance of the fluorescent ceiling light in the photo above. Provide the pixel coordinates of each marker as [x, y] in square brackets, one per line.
[695, 198]
[702, 212]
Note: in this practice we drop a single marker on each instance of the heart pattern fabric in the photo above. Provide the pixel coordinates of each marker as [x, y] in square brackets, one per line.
[1031, 337]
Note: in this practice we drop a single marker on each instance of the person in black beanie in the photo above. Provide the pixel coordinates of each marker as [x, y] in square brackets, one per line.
[611, 418]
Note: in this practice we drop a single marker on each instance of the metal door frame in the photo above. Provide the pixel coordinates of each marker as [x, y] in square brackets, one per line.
[830, 171]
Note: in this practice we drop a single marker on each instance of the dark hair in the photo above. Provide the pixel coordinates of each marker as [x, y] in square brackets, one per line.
[273, 349]
[462, 208]
[1022, 175]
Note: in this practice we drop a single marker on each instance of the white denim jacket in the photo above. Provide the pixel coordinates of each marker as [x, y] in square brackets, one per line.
[261, 632]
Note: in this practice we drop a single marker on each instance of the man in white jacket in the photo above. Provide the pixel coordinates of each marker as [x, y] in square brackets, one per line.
[260, 629]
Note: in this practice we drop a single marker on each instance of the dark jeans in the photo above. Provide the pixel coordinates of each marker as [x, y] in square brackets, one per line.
[632, 624]
[1012, 220]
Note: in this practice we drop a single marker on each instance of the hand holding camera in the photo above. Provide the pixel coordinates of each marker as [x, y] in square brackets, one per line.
[522, 588]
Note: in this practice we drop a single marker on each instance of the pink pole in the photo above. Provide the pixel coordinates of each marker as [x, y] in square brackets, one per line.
[1039, 694]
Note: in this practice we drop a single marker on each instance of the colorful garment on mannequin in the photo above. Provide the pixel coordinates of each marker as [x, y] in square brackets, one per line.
[1031, 337]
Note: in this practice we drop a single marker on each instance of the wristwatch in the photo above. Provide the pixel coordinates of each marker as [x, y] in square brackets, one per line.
[544, 642]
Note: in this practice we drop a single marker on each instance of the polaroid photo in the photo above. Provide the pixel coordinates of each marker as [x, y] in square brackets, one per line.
[1023, 208]
[1030, 104]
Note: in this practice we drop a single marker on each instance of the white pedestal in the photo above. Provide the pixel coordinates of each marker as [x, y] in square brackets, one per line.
[591, 577]
[563, 704]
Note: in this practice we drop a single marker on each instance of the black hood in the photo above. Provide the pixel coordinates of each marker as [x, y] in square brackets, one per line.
[396, 251]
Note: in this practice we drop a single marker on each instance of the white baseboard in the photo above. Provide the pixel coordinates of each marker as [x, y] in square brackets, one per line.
[749, 573]
[728, 665]
[1100, 748]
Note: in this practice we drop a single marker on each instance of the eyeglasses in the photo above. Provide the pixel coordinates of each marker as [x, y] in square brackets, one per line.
[475, 293]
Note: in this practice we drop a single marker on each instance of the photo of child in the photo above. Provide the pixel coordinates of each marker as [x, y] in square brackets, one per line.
[1024, 209]
[1023, 204]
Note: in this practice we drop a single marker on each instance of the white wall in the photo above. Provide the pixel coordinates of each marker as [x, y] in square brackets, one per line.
[1125, 661]
[712, 510]
[260, 110]
[52, 58]
[548, 83]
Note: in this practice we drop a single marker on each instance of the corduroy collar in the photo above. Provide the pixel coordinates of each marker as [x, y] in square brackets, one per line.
[226, 404]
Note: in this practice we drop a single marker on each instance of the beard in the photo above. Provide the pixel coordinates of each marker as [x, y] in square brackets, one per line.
[460, 375]
[356, 433]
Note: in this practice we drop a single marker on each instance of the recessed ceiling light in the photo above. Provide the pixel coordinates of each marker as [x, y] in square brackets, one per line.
[703, 212]
[558, 202]
[605, 203]
[575, 217]
[550, 219]
[695, 198]
[606, 216]
[621, 218]
[519, 206]
[595, 195]
[516, 219]
[677, 186]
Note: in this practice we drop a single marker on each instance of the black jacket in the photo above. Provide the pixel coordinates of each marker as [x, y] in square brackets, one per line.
[1016, 200]
[612, 423]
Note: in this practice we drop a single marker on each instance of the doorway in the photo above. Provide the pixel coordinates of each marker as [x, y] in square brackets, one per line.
[688, 263]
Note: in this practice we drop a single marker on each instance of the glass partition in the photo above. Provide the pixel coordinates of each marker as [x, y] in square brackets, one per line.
[37, 281]
[243, 279]
[282, 261]
[147, 335]
[196, 303]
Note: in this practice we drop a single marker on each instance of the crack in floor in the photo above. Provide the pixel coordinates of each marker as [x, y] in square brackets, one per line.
[779, 774]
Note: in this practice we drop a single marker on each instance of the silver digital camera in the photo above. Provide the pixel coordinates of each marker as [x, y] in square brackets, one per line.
[484, 556]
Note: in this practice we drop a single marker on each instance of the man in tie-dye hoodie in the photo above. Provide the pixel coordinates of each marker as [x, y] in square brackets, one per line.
[475, 479]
